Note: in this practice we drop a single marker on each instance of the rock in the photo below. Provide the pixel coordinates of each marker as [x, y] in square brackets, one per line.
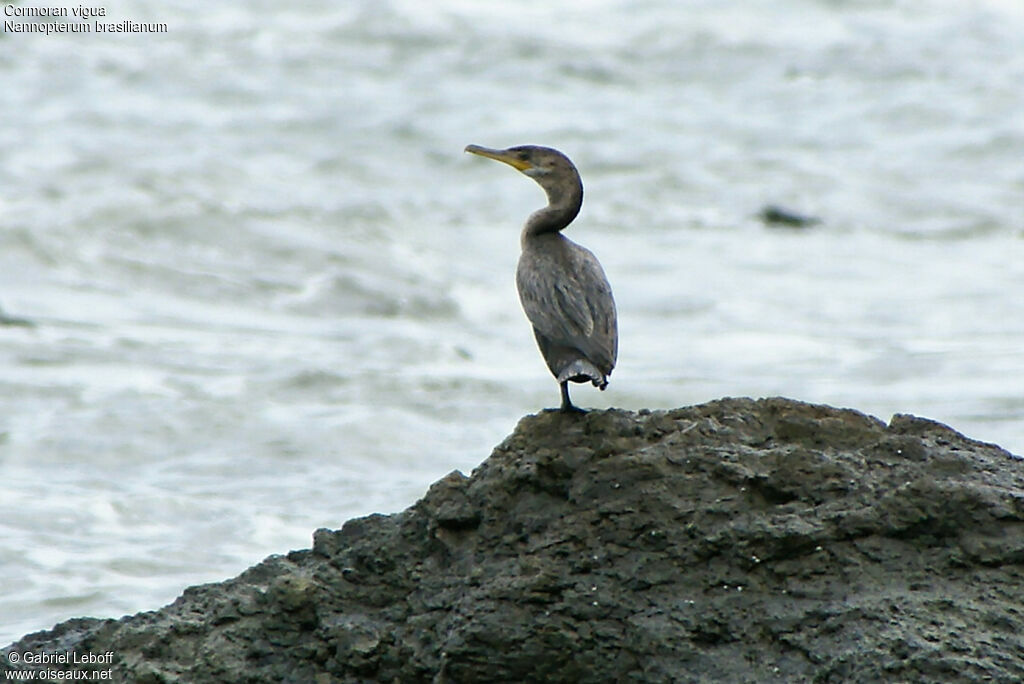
[737, 541]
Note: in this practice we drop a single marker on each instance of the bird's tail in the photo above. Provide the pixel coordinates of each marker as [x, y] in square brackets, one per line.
[581, 370]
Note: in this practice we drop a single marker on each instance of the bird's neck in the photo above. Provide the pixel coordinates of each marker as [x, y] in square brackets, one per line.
[563, 205]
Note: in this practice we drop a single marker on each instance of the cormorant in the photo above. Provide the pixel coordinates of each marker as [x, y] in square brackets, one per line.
[562, 287]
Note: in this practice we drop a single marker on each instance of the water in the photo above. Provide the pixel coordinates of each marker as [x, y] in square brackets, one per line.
[269, 293]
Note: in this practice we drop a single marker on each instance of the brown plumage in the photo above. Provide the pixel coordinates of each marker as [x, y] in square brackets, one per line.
[562, 286]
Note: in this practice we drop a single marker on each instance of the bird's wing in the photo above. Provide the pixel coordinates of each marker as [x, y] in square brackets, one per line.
[550, 301]
[570, 303]
[605, 337]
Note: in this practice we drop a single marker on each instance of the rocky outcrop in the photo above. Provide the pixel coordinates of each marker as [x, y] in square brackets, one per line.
[737, 541]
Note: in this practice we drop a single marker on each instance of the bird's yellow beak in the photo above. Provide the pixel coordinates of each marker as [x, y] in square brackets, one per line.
[500, 155]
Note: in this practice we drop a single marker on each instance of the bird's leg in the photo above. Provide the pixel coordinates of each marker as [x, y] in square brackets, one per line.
[567, 406]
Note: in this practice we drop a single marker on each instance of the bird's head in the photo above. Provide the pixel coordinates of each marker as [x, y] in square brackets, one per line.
[543, 164]
[553, 172]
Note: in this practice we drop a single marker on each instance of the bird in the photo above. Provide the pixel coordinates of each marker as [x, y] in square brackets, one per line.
[562, 287]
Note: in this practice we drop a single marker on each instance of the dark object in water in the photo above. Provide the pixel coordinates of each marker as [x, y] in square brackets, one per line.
[773, 214]
[14, 321]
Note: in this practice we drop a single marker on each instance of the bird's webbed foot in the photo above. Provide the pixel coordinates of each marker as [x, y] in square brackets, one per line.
[567, 405]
